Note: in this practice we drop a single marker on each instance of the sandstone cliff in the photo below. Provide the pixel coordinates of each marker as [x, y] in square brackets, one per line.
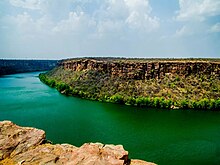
[144, 69]
[28, 146]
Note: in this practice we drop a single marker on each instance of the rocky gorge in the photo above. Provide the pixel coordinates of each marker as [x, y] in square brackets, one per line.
[29, 146]
[156, 83]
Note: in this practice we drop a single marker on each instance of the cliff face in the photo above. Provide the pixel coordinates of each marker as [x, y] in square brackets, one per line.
[26, 146]
[144, 70]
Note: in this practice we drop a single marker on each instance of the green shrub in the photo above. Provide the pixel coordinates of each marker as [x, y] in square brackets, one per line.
[140, 101]
[156, 102]
[117, 99]
[167, 104]
[177, 78]
[130, 100]
[217, 104]
[184, 104]
[62, 86]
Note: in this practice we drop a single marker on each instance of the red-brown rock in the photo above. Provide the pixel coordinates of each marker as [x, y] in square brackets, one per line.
[27, 146]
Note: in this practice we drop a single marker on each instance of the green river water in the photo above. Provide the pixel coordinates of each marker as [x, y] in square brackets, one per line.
[160, 136]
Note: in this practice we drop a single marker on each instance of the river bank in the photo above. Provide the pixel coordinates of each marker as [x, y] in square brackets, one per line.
[179, 84]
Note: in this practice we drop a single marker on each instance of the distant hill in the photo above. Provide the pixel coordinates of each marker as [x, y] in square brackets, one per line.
[20, 66]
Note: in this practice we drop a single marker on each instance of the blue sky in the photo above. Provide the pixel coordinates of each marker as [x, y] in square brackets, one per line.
[58, 29]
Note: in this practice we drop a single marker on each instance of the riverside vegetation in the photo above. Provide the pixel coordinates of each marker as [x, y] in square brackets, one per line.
[178, 88]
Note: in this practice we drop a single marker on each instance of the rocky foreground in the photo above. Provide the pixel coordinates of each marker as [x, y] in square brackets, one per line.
[28, 146]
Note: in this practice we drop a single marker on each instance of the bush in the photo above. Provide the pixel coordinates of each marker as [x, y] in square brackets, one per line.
[184, 104]
[177, 78]
[61, 87]
[140, 101]
[156, 102]
[217, 104]
[130, 100]
[203, 104]
[167, 104]
[117, 99]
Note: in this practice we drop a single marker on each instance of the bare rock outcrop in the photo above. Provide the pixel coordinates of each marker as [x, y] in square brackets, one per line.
[15, 140]
[143, 69]
[28, 146]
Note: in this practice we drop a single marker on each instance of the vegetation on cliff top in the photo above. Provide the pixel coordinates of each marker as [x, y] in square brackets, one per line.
[173, 91]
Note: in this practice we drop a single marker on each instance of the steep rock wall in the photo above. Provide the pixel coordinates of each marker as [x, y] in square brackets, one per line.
[144, 70]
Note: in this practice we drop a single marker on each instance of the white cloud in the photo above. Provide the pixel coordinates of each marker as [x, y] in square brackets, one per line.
[136, 14]
[141, 6]
[197, 9]
[142, 22]
[107, 16]
[139, 15]
[28, 4]
[113, 16]
[215, 28]
[115, 9]
[183, 31]
[195, 15]
[26, 26]
[77, 22]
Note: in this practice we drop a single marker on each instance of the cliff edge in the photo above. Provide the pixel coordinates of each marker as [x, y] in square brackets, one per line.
[28, 146]
[144, 69]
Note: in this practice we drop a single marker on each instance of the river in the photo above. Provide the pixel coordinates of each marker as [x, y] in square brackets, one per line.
[160, 136]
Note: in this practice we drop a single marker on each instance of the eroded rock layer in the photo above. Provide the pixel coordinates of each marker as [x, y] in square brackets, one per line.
[28, 146]
[141, 70]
